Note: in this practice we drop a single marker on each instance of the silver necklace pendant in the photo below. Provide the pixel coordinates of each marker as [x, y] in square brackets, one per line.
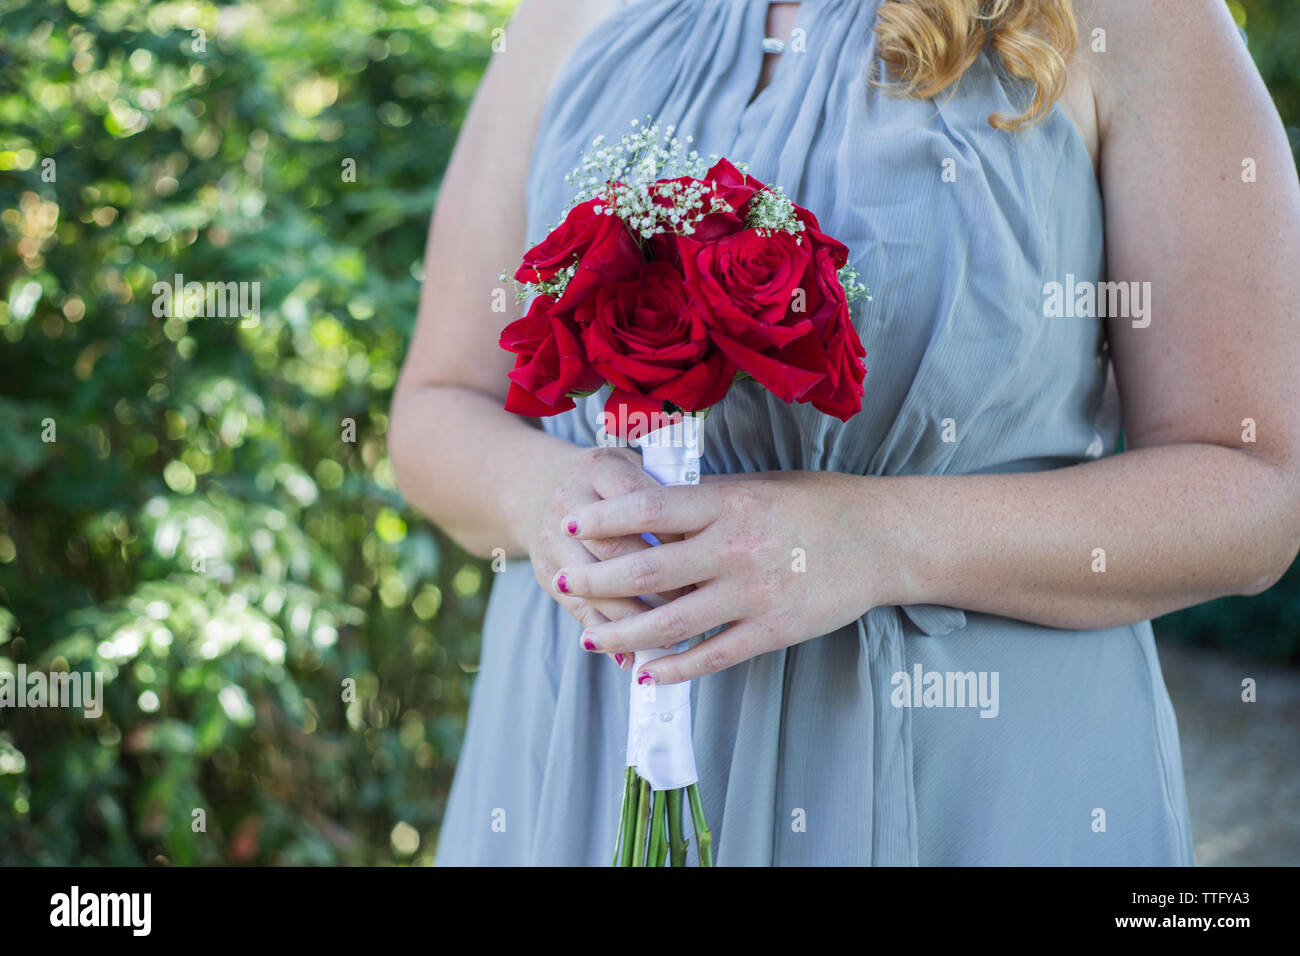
[773, 45]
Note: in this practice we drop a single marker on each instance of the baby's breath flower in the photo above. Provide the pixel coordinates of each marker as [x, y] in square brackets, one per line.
[626, 176]
[553, 286]
[770, 211]
[853, 287]
[556, 285]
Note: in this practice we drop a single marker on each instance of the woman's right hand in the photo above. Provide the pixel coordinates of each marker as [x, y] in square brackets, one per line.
[580, 478]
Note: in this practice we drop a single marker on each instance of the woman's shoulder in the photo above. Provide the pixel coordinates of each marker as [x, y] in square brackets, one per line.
[1136, 54]
[529, 54]
[546, 32]
[1132, 54]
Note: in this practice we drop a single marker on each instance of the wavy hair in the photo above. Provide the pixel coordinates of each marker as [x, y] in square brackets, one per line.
[927, 46]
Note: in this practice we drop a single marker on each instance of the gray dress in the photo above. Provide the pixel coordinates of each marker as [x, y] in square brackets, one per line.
[808, 755]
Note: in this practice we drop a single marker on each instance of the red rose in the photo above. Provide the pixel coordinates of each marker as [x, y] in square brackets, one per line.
[549, 361]
[812, 233]
[834, 346]
[777, 310]
[838, 350]
[736, 189]
[647, 337]
[747, 282]
[601, 245]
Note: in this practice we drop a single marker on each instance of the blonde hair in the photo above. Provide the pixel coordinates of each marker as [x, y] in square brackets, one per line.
[927, 46]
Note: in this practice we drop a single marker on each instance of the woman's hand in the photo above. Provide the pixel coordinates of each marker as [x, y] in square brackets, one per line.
[782, 557]
[581, 479]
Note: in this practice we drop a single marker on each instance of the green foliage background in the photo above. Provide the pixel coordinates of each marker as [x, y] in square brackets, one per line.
[215, 526]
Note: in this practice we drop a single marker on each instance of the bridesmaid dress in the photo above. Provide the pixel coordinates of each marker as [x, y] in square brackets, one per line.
[807, 755]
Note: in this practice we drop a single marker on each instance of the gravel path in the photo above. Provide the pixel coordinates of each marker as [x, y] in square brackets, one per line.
[1242, 761]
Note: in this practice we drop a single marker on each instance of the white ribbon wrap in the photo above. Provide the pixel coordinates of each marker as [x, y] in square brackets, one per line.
[659, 715]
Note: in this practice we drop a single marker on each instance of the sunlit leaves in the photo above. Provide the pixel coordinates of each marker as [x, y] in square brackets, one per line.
[200, 531]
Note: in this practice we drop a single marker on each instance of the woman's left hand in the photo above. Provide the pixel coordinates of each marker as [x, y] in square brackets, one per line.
[782, 557]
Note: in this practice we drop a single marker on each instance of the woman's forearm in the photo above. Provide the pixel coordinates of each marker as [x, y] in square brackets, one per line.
[1172, 526]
[475, 470]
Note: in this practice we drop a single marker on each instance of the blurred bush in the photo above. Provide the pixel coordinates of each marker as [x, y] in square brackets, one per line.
[202, 508]
[215, 525]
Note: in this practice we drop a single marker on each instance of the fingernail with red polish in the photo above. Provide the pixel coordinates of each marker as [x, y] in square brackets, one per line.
[589, 642]
[618, 659]
[646, 678]
[571, 526]
[561, 584]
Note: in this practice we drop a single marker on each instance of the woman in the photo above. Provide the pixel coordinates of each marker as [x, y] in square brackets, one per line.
[972, 522]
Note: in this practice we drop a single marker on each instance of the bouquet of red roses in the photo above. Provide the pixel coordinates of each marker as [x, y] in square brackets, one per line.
[668, 289]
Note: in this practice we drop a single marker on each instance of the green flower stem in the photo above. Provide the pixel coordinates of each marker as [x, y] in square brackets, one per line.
[663, 840]
[626, 816]
[676, 842]
[703, 838]
[629, 834]
[642, 822]
[655, 850]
